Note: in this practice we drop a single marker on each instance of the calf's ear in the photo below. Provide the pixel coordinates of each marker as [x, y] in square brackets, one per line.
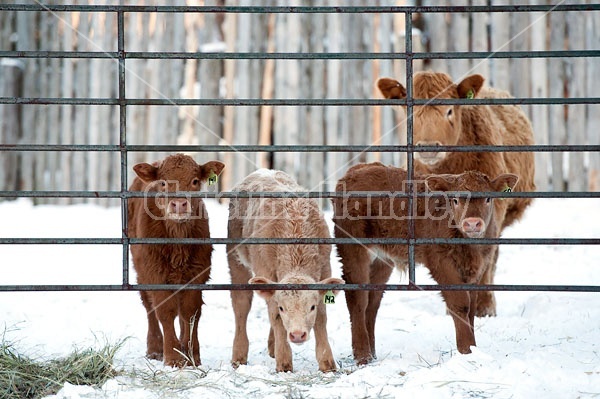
[148, 173]
[391, 88]
[438, 183]
[265, 294]
[470, 86]
[210, 168]
[331, 280]
[505, 182]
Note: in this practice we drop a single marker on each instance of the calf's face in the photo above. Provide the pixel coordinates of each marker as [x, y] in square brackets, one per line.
[177, 173]
[471, 215]
[438, 125]
[297, 309]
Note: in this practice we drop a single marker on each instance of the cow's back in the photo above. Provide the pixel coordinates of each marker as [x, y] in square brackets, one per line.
[288, 217]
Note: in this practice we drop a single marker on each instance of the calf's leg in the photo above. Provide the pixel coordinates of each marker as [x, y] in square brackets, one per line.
[486, 300]
[165, 306]
[459, 303]
[322, 348]
[271, 343]
[283, 352]
[190, 309]
[241, 302]
[154, 339]
[355, 266]
[379, 274]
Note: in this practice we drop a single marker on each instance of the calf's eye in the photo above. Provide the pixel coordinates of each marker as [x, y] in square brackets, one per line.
[312, 308]
[449, 113]
[195, 182]
[488, 200]
[455, 201]
[281, 309]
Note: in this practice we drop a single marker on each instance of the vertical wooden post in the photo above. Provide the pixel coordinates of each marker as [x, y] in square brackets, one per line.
[334, 134]
[576, 88]
[268, 87]
[286, 124]
[386, 117]
[230, 31]
[66, 111]
[479, 39]
[539, 88]
[499, 68]
[82, 113]
[592, 37]
[11, 85]
[519, 73]
[557, 133]
[209, 125]
[458, 40]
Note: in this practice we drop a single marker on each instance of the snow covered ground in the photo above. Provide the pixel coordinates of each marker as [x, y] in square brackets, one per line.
[542, 344]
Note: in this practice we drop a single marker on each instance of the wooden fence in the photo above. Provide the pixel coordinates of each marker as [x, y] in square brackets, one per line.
[276, 79]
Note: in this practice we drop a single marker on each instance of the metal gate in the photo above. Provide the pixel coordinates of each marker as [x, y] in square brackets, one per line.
[123, 103]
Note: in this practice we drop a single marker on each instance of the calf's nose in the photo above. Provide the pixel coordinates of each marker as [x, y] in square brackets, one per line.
[473, 225]
[179, 206]
[298, 337]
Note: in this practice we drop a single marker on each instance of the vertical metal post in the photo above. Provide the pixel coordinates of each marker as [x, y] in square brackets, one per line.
[412, 206]
[123, 142]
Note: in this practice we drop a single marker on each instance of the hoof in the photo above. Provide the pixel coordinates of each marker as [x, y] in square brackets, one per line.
[282, 368]
[328, 366]
[236, 364]
[485, 310]
[155, 356]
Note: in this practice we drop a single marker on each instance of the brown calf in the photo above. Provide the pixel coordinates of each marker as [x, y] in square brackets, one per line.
[293, 314]
[158, 216]
[470, 125]
[435, 216]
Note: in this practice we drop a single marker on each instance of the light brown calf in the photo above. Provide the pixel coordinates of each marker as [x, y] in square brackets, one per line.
[158, 216]
[388, 217]
[292, 313]
[470, 125]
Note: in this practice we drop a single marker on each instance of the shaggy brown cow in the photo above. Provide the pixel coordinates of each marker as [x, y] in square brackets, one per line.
[292, 313]
[158, 216]
[470, 125]
[387, 217]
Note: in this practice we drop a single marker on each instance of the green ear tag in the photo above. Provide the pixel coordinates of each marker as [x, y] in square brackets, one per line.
[329, 298]
[212, 178]
[471, 94]
[507, 189]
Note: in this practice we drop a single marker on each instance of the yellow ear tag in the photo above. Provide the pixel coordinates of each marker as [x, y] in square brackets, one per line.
[506, 189]
[212, 178]
[471, 94]
[329, 298]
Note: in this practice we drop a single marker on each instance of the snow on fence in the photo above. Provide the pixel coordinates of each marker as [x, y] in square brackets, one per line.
[89, 90]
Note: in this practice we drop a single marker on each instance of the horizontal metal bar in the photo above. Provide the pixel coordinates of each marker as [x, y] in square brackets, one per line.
[294, 102]
[170, 55]
[297, 9]
[60, 54]
[299, 148]
[308, 194]
[303, 287]
[314, 241]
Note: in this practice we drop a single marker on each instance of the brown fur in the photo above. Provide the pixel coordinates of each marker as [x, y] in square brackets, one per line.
[387, 217]
[471, 125]
[171, 263]
[292, 313]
